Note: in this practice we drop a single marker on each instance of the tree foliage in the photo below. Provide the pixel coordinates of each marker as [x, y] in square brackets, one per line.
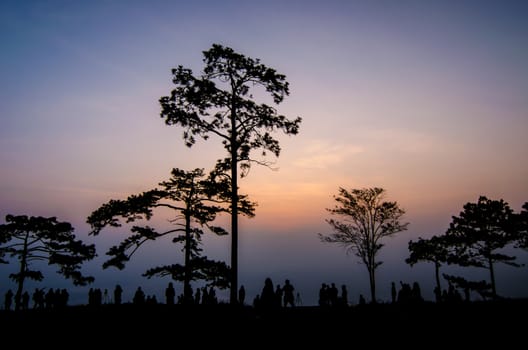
[481, 287]
[522, 228]
[32, 239]
[436, 250]
[220, 102]
[196, 199]
[366, 219]
[479, 234]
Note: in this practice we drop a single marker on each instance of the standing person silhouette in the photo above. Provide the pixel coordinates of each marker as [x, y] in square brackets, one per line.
[241, 295]
[197, 296]
[267, 297]
[25, 300]
[170, 293]
[393, 292]
[278, 296]
[8, 300]
[139, 297]
[362, 300]
[288, 294]
[298, 299]
[344, 295]
[118, 292]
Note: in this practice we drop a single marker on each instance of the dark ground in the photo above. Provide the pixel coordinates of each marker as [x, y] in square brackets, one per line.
[422, 325]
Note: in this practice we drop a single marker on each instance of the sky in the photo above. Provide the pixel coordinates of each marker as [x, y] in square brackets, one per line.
[426, 99]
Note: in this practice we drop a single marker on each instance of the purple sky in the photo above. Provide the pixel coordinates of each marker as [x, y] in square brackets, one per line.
[428, 100]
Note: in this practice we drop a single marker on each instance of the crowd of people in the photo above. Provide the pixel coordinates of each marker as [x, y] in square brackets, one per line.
[52, 299]
[271, 296]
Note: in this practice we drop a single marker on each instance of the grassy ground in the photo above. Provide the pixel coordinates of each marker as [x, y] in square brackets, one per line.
[128, 325]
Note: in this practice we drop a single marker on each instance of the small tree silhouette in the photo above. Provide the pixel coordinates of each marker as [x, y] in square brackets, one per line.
[219, 103]
[522, 228]
[478, 234]
[367, 218]
[196, 199]
[435, 250]
[33, 239]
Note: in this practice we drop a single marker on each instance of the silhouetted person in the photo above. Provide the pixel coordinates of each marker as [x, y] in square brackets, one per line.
[139, 297]
[95, 297]
[188, 295]
[278, 296]
[344, 295]
[50, 296]
[91, 297]
[333, 294]
[38, 299]
[25, 300]
[416, 293]
[323, 295]
[212, 296]
[57, 299]
[8, 301]
[362, 300]
[197, 296]
[65, 297]
[267, 297]
[405, 293]
[205, 296]
[288, 294]
[394, 294]
[151, 300]
[298, 300]
[256, 301]
[98, 297]
[437, 294]
[118, 292]
[241, 295]
[170, 293]
[18, 301]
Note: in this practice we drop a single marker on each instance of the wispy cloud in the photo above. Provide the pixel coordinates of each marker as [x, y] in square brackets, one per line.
[407, 141]
[321, 154]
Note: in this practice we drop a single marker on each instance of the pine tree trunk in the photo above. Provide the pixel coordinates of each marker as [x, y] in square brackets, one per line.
[187, 277]
[372, 286]
[492, 277]
[22, 276]
[437, 277]
[372, 279]
[234, 208]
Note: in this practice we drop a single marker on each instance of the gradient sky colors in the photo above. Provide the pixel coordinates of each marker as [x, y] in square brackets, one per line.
[426, 99]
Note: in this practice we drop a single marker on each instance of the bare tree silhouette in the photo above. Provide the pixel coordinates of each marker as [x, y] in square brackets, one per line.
[367, 218]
